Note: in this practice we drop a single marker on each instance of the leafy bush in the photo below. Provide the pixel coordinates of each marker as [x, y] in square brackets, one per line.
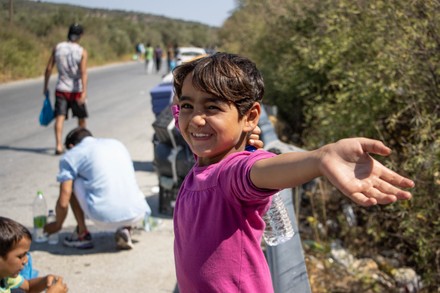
[340, 68]
[17, 54]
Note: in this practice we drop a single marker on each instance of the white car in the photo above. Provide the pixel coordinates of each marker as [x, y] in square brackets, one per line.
[185, 54]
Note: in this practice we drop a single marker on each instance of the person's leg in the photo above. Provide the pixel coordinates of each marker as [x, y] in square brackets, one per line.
[82, 122]
[78, 213]
[150, 66]
[80, 238]
[123, 238]
[61, 108]
[124, 229]
[157, 65]
[80, 111]
[59, 122]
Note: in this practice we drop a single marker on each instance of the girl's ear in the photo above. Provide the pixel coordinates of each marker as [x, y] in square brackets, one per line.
[252, 117]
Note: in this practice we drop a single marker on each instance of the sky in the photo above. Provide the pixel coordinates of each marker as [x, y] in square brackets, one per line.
[211, 12]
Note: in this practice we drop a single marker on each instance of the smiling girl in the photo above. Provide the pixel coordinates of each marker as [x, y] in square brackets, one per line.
[218, 222]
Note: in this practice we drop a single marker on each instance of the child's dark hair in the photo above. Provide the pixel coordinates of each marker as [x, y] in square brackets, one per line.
[75, 136]
[231, 77]
[11, 232]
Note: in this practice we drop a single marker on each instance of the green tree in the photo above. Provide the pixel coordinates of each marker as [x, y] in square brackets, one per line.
[339, 68]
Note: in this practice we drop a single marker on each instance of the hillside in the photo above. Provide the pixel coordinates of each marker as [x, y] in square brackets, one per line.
[110, 35]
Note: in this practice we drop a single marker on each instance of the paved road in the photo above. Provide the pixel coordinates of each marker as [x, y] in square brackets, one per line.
[119, 107]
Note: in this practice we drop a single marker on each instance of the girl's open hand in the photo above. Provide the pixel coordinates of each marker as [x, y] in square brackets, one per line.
[349, 167]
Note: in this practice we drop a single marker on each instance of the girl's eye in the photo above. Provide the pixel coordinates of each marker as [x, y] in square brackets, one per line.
[212, 107]
[185, 106]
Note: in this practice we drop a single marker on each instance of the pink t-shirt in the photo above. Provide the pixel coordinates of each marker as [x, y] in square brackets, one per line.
[218, 228]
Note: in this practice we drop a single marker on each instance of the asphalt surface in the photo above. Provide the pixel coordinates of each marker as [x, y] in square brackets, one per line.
[119, 107]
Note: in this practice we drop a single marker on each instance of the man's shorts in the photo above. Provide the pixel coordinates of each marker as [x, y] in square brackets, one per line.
[65, 101]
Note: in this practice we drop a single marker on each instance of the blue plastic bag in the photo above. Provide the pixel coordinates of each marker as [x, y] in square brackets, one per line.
[47, 114]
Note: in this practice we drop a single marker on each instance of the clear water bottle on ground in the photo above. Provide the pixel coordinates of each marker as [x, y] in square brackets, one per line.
[150, 223]
[278, 225]
[146, 222]
[39, 211]
[53, 238]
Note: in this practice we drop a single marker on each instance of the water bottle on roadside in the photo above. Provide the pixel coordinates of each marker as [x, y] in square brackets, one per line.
[53, 238]
[39, 212]
[278, 225]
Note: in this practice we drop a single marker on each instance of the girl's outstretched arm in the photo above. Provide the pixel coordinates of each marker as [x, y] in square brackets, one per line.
[348, 166]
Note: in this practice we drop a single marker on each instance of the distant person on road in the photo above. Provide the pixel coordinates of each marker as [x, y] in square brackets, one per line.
[140, 51]
[176, 50]
[97, 179]
[171, 61]
[71, 88]
[149, 54]
[158, 58]
[218, 223]
[15, 243]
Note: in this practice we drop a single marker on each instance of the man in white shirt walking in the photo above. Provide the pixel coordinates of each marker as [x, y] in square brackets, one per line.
[71, 87]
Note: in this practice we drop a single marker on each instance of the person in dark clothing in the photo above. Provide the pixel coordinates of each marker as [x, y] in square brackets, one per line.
[158, 57]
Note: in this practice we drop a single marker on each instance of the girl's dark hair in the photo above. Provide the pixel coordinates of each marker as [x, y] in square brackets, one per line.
[231, 77]
[11, 232]
[75, 136]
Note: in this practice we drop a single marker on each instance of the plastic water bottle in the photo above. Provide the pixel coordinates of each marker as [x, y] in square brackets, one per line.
[53, 238]
[278, 225]
[40, 210]
[146, 222]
